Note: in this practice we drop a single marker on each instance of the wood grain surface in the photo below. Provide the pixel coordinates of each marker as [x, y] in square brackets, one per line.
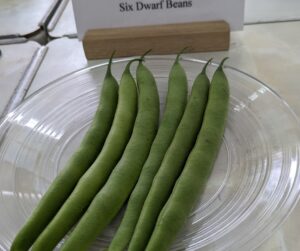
[162, 39]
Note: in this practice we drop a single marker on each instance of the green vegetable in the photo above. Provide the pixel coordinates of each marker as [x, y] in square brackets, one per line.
[93, 180]
[175, 105]
[198, 167]
[81, 160]
[113, 195]
[172, 163]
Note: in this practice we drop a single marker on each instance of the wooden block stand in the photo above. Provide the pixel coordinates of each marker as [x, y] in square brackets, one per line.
[162, 39]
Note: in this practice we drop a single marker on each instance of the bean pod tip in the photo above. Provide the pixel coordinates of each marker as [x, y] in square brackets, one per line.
[222, 63]
[180, 53]
[108, 72]
[146, 53]
[127, 68]
[205, 66]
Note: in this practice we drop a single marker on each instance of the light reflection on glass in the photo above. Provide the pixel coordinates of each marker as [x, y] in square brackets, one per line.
[50, 132]
[262, 90]
[31, 123]
[251, 97]
[294, 167]
[21, 195]
[19, 118]
[239, 107]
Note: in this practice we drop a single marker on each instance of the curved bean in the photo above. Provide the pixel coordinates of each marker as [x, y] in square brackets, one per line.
[175, 105]
[92, 181]
[191, 182]
[113, 195]
[172, 163]
[80, 161]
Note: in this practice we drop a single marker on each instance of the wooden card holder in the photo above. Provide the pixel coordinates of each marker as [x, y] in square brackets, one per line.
[162, 39]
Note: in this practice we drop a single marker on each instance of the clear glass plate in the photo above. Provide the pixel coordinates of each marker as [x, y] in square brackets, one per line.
[253, 187]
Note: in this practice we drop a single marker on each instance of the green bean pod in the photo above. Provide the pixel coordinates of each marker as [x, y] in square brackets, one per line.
[191, 182]
[77, 165]
[175, 105]
[93, 180]
[113, 195]
[172, 163]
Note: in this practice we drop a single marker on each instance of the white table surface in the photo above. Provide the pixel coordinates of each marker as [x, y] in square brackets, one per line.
[269, 52]
[23, 17]
[63, 22]
[258, 11]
